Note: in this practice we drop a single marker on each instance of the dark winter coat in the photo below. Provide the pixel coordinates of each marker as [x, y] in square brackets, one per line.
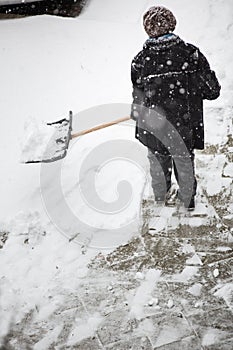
[174, 77]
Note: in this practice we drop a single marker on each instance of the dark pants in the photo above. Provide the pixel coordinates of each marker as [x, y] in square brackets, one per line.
[161, 170]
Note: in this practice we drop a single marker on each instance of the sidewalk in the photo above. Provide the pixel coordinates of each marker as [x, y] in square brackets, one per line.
[169, 288]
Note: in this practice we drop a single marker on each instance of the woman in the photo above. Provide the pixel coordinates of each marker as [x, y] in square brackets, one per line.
[170, 81]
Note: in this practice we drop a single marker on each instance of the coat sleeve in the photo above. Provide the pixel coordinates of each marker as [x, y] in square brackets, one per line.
[138, 89]
[207, 82]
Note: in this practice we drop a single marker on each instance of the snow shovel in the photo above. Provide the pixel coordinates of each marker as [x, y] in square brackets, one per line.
[54, 145]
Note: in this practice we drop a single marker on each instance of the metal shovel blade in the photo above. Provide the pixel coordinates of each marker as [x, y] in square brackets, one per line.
[58, 143]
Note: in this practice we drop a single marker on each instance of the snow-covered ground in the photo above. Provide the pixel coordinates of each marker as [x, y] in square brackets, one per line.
[50, 297]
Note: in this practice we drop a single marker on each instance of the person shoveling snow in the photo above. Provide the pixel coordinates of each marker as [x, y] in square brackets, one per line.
[170, 81]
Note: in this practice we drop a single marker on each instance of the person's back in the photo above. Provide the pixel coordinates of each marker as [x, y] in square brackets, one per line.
[171, 78]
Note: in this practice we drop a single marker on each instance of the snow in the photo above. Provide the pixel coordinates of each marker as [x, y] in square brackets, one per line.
[43, 260]
[143, 294]
[168, 335]
[214, 183]
[195, 289]
[194, 260]
[187, 273]
[226, 292]
[188, 248]
[82, 331]
[36, 141]
[228, 170]
[212, 336]
[51, 65]
[49, 339]
[170, 303]
[223, 249]
[105, 11]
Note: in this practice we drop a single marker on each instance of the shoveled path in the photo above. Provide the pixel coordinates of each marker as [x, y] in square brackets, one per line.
[169, 288]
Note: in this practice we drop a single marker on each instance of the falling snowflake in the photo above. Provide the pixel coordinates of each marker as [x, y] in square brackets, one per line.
[185, 65]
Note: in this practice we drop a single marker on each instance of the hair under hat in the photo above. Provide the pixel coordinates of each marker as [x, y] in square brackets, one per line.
[158, 20]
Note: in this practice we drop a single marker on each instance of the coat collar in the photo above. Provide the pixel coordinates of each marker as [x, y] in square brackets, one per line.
[162, 42]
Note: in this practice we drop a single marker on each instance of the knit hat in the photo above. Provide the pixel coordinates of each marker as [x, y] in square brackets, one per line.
[158, 20]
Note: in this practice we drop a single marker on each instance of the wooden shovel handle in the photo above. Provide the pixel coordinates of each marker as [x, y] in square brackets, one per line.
[98, 127]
